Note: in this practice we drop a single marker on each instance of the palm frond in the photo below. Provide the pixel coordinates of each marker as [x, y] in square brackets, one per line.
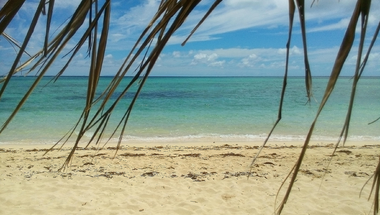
[364, 21]
[13, 41]
[376, 188]
[344, 50]
[308, 82]
[358, 71]
[16, 61]
[48, 23]
[170, 12]
[292, 7]
[8, 12]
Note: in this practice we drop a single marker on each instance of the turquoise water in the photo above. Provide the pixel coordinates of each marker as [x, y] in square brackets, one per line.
[196, 108]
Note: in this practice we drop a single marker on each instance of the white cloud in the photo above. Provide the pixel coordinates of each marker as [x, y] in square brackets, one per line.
[200, 56]
[292, 51]
[135, 18]
[115, 37]
[212, 57]
[176, 54]
[67, 4]
[217, 63]
[127, 22]
[251, 61]
[233, 15]
[234, 58]
[208, 59]
[341, 24]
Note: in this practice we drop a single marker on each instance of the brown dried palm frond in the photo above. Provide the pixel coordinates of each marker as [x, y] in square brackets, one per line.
[361, 10]
[13, 42]
[308, 79]
[52, 51]
[292, 7]
[8, 12]
[376, 188]
[169, 17]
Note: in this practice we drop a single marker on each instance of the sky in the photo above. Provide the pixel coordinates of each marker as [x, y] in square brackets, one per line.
[240, 38]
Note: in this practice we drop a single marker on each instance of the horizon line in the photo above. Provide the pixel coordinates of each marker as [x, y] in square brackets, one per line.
[198, 76]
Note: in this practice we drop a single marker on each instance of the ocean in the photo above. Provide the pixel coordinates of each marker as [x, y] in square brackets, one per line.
[180, 109]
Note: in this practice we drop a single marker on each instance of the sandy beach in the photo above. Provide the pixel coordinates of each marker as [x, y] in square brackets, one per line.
[191, 178]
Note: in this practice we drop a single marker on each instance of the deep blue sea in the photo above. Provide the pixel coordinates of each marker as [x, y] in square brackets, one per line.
[196, 109]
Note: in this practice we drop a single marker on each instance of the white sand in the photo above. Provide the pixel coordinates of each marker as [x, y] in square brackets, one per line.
[200, 178]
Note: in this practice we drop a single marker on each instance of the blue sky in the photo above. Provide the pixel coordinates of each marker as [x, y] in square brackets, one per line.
[240, 38]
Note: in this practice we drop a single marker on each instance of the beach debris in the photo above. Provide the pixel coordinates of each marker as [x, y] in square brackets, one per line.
[28, 175]
[109, 175]
[370, 146]
[8, 150]
[97, 155]
[36, 150]
[238, 174]
[191, 155]
[157, 148]
[227, 197]
[310, 173]
[251, 147]
[324, 170]
[231, 154]
[135, 148]
[270, 156]
[150, 174]
[306, 171]
[231, 147]
[356, 174]
[344, 151]
[127, 154]
[68, 175]
[194, 177]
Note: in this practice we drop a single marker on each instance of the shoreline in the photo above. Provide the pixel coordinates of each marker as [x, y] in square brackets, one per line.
[186, 178]
[209, 142]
